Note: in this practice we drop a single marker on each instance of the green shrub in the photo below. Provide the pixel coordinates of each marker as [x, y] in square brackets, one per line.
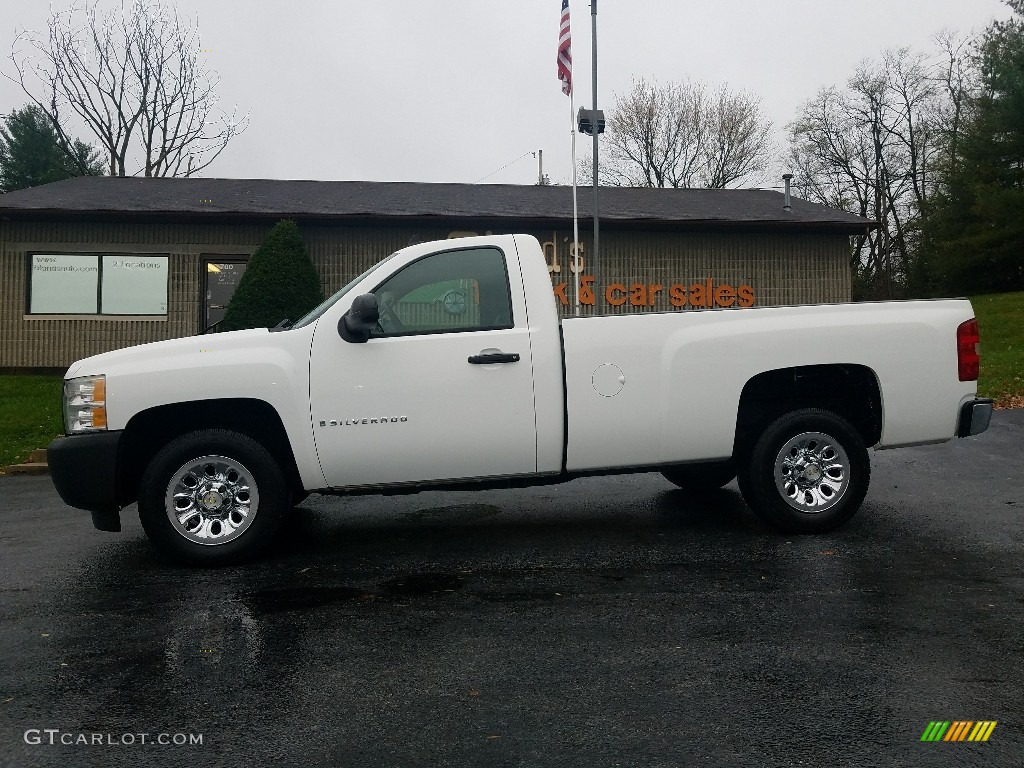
[280, 283]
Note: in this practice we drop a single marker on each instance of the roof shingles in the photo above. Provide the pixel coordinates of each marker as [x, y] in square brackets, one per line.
[330, 200]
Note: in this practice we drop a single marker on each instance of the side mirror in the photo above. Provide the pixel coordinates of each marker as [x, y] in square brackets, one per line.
[356, 324]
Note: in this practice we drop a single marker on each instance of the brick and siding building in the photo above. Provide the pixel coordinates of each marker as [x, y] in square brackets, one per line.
[96, 263]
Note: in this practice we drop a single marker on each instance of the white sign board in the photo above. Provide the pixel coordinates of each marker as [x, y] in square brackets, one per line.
[134, 285]
[64, 285]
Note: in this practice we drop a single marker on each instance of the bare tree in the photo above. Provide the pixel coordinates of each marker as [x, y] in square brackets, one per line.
[681, 135]
[739, 145]
[874, 148]
[958, 77]
[134, 77]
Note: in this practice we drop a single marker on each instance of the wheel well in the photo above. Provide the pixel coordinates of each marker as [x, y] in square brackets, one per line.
[150, 430]
[848, 390]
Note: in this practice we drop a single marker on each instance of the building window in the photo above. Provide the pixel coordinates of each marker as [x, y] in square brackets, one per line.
[97, 284]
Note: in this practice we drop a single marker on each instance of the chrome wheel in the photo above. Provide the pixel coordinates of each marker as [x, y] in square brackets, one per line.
[812, 472]
[211, 500]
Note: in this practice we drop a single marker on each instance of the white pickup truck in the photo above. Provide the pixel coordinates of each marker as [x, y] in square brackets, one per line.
[446, 365]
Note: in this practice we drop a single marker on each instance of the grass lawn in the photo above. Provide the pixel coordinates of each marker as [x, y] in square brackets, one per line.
[1001, 322]
[29, 415]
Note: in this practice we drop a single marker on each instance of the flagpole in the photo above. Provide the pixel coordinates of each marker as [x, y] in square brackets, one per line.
[595, 252]
[565, 75]
[575, 268]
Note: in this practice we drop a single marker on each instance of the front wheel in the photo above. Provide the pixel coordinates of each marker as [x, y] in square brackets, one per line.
[213, 497]
[808, 472]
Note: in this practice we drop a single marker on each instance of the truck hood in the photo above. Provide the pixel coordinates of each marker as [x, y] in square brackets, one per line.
[131, 358]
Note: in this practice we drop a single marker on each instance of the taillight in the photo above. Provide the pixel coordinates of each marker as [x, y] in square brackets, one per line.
[968, 357]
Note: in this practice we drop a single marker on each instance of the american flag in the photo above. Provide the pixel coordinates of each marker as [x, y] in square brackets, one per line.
[565, 51]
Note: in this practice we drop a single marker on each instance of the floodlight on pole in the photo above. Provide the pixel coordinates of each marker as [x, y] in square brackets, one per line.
[585, 120]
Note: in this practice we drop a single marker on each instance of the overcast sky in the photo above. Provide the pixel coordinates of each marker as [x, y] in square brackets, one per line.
[452, 90]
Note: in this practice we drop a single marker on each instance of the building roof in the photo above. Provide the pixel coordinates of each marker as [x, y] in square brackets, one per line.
[106, 198]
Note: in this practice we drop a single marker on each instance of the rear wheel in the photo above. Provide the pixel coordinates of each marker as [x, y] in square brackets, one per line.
[701, 477]
[808, 472]
[213, 497]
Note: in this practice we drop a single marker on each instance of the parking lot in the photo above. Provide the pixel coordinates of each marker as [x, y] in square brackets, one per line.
[608, 621]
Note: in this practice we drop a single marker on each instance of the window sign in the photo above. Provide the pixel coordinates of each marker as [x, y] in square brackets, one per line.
[95, 284]
[134, 285]
[64, 285]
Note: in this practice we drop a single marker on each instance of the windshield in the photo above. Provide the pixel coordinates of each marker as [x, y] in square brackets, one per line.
[315, 313]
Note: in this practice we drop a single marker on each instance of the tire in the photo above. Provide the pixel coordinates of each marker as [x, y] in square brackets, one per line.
[709, 476]
[808, 472]
[230, 495]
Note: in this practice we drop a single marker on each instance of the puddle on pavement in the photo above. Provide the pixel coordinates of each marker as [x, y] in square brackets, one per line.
[519, 597]
[302, 598]
[453, 513]
[422, 584]
[306, 598]
[226, 636]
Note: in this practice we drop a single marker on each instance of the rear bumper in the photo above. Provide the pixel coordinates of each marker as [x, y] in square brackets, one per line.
[974, 417]
[84, 472]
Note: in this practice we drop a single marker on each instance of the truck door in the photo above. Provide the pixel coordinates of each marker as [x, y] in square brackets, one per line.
[444, 387]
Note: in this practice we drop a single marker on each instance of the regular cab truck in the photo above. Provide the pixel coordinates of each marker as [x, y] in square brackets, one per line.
[446, 365]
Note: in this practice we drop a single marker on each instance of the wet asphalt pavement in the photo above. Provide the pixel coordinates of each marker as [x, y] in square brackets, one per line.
[609, 621]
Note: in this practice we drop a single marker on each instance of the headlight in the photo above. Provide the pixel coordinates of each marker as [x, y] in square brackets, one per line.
[85, 404]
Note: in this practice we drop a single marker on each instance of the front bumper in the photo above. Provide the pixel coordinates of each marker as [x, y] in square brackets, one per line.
[84, 472]
[974, 417]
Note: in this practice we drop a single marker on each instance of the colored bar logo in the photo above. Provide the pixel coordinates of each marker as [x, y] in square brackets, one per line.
[958, 730]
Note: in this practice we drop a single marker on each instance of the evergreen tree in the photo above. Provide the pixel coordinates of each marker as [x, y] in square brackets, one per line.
[31, 153]
[978, 222]
[280, 283]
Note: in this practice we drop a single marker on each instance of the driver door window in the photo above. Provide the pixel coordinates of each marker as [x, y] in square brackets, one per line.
[449, 292]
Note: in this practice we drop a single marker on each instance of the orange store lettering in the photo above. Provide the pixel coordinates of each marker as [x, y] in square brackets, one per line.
[707, 293]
